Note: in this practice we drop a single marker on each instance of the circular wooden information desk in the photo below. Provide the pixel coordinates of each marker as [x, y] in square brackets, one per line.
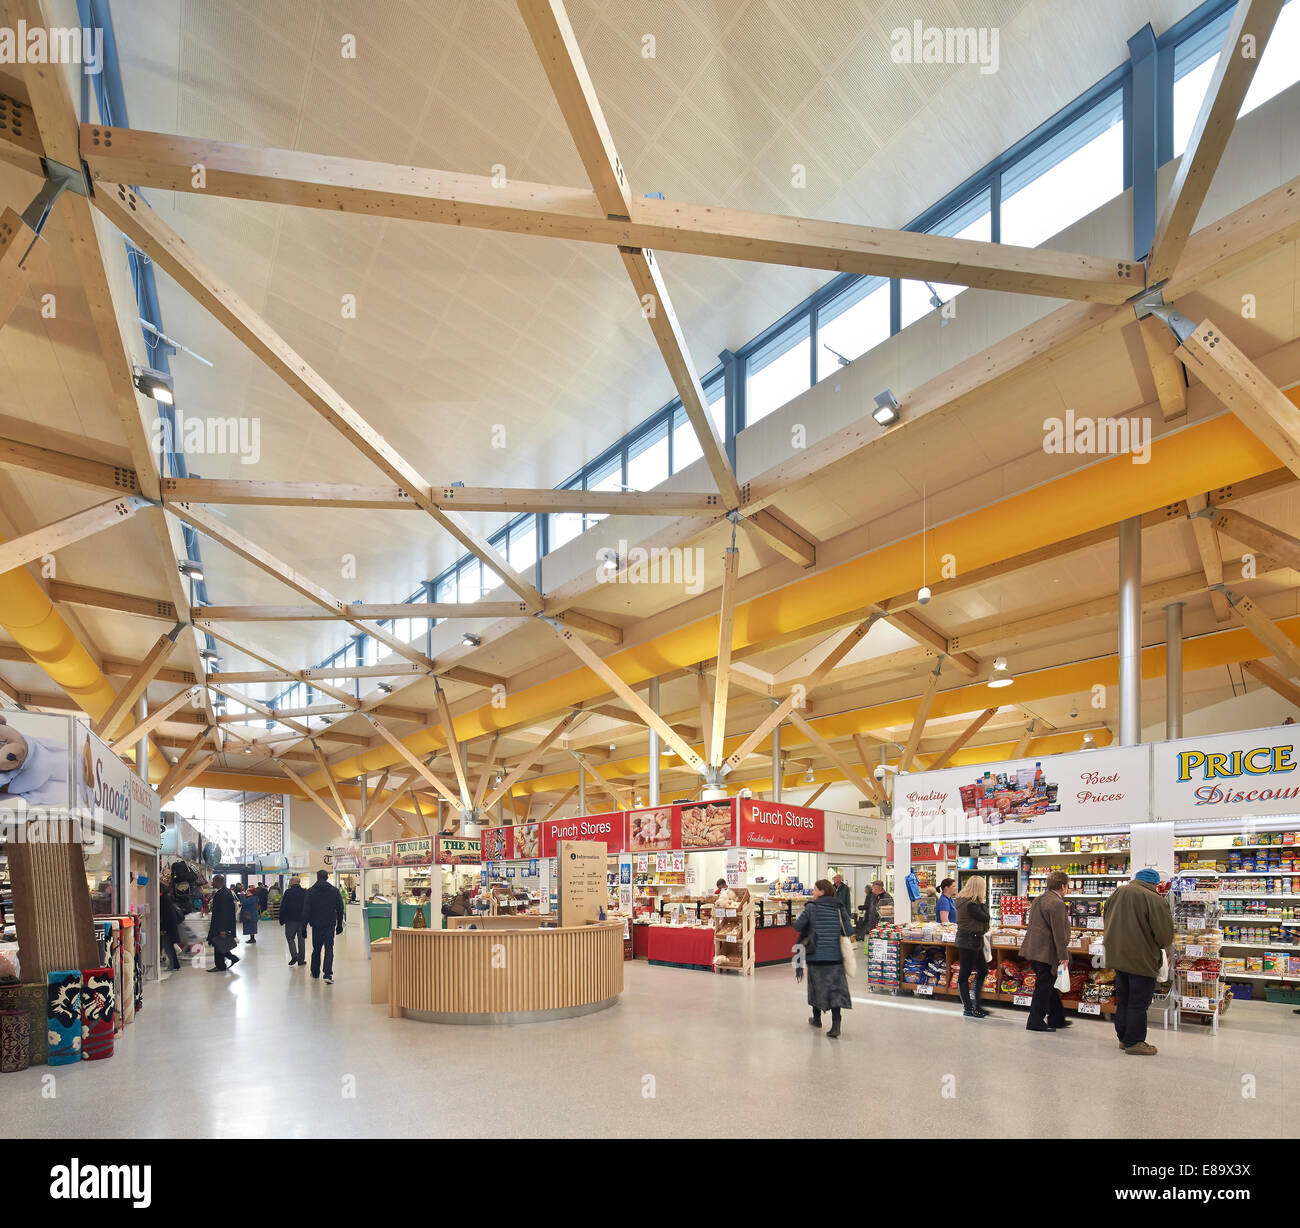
[516, 974]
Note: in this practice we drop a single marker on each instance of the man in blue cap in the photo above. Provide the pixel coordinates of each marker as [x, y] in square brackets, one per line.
[1139, 927]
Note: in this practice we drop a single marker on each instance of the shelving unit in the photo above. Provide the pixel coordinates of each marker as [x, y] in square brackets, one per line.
[1198, 964]
[734, 947]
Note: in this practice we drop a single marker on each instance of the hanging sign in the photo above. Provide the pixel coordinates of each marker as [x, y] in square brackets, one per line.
[1255, 772]
[458, 850]
[851, 834]
[1097, 788]
[377, 855]
[608, 829]
[767, 825]
[413, 852]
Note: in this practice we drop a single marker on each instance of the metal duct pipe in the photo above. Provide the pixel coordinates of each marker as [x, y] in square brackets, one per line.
[1174, 670]
[1130, 631]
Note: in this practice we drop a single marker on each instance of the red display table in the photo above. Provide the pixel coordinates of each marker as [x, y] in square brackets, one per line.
[772, 944]
[681, 945]
[641, 941]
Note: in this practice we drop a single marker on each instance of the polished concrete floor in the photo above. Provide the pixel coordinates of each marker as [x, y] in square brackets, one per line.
[266, 1052]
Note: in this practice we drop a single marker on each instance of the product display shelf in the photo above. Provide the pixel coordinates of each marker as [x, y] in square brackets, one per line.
[1080, 946]
[1200, 988]
[733, 938]
[883, 961]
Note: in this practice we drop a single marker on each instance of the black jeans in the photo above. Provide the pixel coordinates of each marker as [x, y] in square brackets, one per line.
[322, 938]
[1132, 1001]
[1045, 1007]
[220, 960]
[970, 960]
[835, 1016]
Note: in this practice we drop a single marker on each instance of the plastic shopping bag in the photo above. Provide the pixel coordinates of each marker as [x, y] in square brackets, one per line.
[1062, 981]
[1163, 974]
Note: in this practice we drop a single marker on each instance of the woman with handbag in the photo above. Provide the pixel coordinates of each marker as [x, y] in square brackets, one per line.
[221, 931]
[827, 930]
[972, 934]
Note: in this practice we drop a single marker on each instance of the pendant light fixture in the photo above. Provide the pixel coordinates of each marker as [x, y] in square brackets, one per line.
[1001, 675]
[923, 593]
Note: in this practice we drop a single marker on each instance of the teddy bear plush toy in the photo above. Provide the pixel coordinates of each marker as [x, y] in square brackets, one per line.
[31, 768]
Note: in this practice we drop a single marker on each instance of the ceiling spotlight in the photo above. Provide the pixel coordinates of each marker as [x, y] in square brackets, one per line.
[470, 640]
[1088, 743]
[248, 750]
[887, 407]
[1001, 676]
[923, 595]
[612, 746]
[156, 384]
[190, 569]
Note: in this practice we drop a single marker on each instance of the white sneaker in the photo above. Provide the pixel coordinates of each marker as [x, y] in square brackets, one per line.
[329, 980]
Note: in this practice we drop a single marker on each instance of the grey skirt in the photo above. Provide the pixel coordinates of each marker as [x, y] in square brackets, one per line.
[828, 987]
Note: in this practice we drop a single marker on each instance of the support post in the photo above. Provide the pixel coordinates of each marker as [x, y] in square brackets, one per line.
[776, 764]
[582, 790]
[653, 697]
[1130, 631]
[1174, 670]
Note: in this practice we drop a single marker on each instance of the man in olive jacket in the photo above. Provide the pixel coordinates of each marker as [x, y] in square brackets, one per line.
[1139, 927]
[1047, 947]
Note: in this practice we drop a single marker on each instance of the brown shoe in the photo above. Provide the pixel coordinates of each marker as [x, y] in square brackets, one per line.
[1142, 1050]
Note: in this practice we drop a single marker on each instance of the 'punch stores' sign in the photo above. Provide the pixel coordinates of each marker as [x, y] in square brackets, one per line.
[1234, 775]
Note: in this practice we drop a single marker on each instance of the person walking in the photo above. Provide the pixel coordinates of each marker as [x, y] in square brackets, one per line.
[293, 916]
[170, 919]
[823, 923]
[324, 911]
[263, 895]
[1139, 928]
[248, 911]
[1047, 948]
[221, 929]
[844, 895]
[972, 913]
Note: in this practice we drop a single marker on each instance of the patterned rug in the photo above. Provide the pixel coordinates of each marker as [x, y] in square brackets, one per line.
[31, 998]
[51, 906]
[63, 1016]
[15, 1041]
[96, 1014]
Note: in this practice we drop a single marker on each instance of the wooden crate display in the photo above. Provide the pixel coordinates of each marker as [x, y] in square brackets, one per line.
[733, 936]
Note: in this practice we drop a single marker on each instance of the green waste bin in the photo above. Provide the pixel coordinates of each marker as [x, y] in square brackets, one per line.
[379, 918]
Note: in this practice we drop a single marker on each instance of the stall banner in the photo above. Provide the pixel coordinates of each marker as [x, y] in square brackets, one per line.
[458, 850]
[413, 852]
[110, 788]
[41, 749]
[607, 829]
[852, 834]
[1254, 773]
[518, 843]
[1095, 788]
[774, 825]
[689, 826]
[376, 856]
[347, 857]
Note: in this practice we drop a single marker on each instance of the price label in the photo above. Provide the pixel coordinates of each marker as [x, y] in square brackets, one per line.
[1096, 948]
[986, 863]
[1013, 919]
[925, 991]
[1196, 951]
[1196, 1004]
[679, 862]
[1096, 923]
[1090, 1008]
[1023, 999]
[642, 863]
[1193, 977]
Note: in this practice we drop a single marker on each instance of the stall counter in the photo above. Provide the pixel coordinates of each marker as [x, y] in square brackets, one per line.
[773, 944]
[679, 944]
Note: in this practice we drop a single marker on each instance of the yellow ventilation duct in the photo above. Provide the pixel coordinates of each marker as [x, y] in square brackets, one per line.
[30, 619]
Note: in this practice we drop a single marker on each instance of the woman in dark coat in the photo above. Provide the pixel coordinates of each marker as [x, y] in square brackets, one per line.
[249, 907]
[822, 924]
[221, 930]
[972, 925]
